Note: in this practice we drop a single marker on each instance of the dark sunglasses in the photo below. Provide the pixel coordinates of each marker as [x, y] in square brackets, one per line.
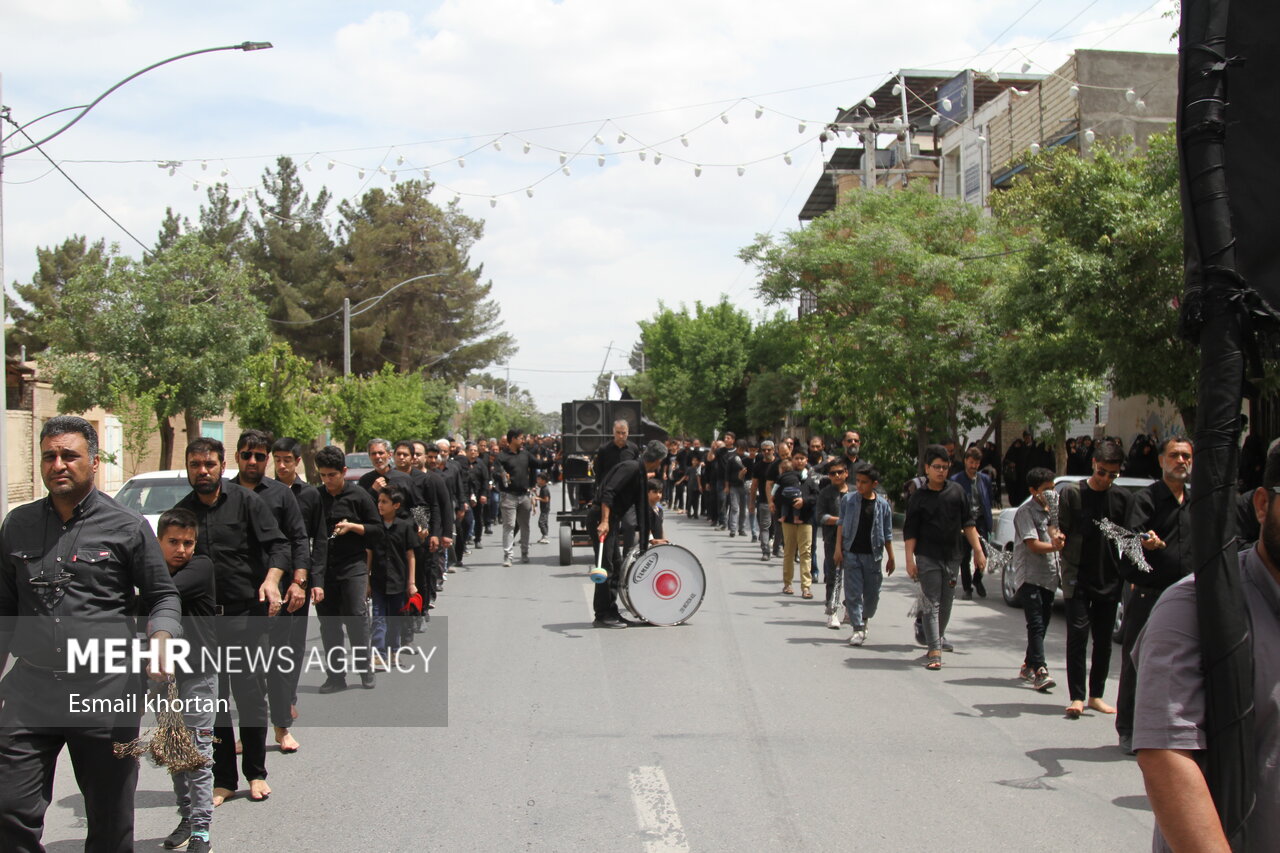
[246, 455]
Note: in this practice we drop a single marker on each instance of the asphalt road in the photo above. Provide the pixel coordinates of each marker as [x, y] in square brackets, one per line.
[752, 727]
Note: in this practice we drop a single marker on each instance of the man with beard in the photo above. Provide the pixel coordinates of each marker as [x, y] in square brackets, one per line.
[249, 553]
[735, 486]
[515, 469]
[1162, 511]
[433, 494]
[478, 473]
[383, 473]
[253, 450]
[760, 501]
[977, 491]
[451, 469]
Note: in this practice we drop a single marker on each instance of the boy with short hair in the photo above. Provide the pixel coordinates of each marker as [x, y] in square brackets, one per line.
[193, 576]
[391, 576]
[656, 535]
[864, 535]
[544, 506]
[1035, 565]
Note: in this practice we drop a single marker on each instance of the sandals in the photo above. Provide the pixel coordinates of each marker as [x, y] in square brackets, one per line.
[787, 590]
[807, 594]
[934, 663]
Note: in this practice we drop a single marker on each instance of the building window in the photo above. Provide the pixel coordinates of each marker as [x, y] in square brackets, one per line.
[211, 429]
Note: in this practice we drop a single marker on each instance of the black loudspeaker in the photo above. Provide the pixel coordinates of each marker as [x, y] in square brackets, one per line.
[587, 425]
[629, 411]
[568, 426]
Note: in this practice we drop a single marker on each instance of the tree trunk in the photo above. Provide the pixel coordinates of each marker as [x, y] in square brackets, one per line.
[311, 475]
[166, 442]
[192, 425]
[1060, 450]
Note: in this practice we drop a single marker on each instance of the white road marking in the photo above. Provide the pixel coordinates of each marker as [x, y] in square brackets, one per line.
[660, 825]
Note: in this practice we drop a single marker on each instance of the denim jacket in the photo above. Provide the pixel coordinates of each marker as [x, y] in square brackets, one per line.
[882, 529]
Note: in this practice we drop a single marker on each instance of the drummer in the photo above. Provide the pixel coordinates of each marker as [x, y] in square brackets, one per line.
[623, 488]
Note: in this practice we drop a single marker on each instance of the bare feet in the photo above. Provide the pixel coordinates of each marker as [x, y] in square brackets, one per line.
[1096, 704]
[259, 790]
[1075, 709]
[285, 740]
[221, 795]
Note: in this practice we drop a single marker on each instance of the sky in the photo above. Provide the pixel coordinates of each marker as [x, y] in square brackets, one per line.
[408, 87]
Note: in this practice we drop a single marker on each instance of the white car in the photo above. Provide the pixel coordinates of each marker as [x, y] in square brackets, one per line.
[1003, 537]
[156, 491]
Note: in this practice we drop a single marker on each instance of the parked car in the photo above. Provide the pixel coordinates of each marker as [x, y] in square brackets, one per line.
[358, 464]
[1004, 537]
[156, 491]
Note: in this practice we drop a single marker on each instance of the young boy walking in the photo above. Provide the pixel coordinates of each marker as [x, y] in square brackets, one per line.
[1035, 565]
[391, 577]
[864, 536]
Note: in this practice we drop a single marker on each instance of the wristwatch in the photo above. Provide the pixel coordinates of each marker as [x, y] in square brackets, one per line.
[302, 584]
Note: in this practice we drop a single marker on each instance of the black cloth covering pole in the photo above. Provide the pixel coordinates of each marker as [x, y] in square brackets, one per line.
[1217, 312]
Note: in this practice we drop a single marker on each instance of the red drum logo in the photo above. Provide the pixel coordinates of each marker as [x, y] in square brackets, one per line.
[666, 584]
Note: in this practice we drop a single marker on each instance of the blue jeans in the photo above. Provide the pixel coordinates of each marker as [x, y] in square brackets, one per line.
[862, 579]
[386, 632]
[738, 509]
[193, 789]
[937, 579]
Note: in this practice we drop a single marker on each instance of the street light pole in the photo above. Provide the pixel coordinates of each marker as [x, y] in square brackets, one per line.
[4, 445]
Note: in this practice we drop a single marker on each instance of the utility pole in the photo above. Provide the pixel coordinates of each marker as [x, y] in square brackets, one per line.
[346, 336]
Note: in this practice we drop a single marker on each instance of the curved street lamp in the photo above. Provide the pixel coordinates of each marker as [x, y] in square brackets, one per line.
[83, 111]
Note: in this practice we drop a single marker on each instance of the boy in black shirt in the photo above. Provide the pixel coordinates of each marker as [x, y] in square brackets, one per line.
[193, 576]
[391, 577]
[544, 507]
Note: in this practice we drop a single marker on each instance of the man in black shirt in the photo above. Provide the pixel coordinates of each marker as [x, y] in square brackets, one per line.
[353, 518]
[624, 489]
[759, 496]
[286, 453]
[433, 493]
[1162, 511]
[515, 472]
[252, 451]
[937, 516]
[619, 450]
[249, 553]
[827, 514]
[70, 564]
[1091, 575]
[383, 473]
[735, 486]
[479, 481]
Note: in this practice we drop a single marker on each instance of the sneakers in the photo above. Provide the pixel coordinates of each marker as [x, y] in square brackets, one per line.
[946, 644]
[506, 562]
[1043, 682]
[199, 845]
[543, 541]
[178, 839]
[1026, 673]
[920, 632]
[333, 685]
[858, 638]
[977, 585]
[754, 537]
[524, 558]
[833, 621]
[367, 681]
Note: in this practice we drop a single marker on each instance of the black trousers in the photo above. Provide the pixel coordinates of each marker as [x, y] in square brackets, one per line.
[244, 624]
[694, 502]
[605, 598]
[29, 750]
[711, 503]
[1136, 613]
[1088, 615]
[288, 630]
[967, 576]
[343, 607]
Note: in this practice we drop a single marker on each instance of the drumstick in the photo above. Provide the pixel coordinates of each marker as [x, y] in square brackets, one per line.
[598, 574]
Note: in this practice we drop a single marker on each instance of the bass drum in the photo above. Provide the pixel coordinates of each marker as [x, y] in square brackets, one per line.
[664, 585]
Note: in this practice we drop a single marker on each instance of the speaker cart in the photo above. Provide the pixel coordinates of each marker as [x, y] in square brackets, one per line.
[576, 493]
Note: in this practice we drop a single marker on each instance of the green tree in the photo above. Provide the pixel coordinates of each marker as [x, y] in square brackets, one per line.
[223, 224]
[696, 362]
[388, 404]
[41, 298]
[175, 331]
[894, 344]
[278, 395]
[1108, 273]
[447, 324]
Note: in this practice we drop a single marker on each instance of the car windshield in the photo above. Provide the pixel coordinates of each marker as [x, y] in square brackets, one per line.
[359, 460]
[152, 497]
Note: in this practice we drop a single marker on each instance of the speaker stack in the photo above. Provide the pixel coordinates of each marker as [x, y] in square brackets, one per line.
[588, 424]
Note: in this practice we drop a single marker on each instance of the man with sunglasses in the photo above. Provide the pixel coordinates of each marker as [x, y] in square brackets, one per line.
[1091, 582]
[253, 450]
[1162, 511]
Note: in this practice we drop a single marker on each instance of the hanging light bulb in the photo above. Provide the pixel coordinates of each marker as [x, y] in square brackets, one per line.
[331, 165]
[786, 158]
[1020, 93]
[565, 169]
[457, 198]
[307, 165]
[657, 157]
[400, 160]
[1140, 104]
[724, 117]
[897, 89]
[497, 145]
[360, 174]
[697, 171]
[1034, 148]
[529, 192]
[684, 140]
[759, 111]
[462, 162]
[493, 201]
[643, 155]
[600, 160]
[225, 172]
[982, 140]
[993, 76]
[1074, 91]
[383, 170]
[564, 158]
[801, 127]
[172, 170]
[897, 121]
[946, 105]
[848, 131]
[599, 140]
[742, 170]
[1026, 66]
[622, 136]
[1089, 136]
[195, 185]
[870, 102]
[204, 166]
[1130, 96]
[934, 119]
[527, 146]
